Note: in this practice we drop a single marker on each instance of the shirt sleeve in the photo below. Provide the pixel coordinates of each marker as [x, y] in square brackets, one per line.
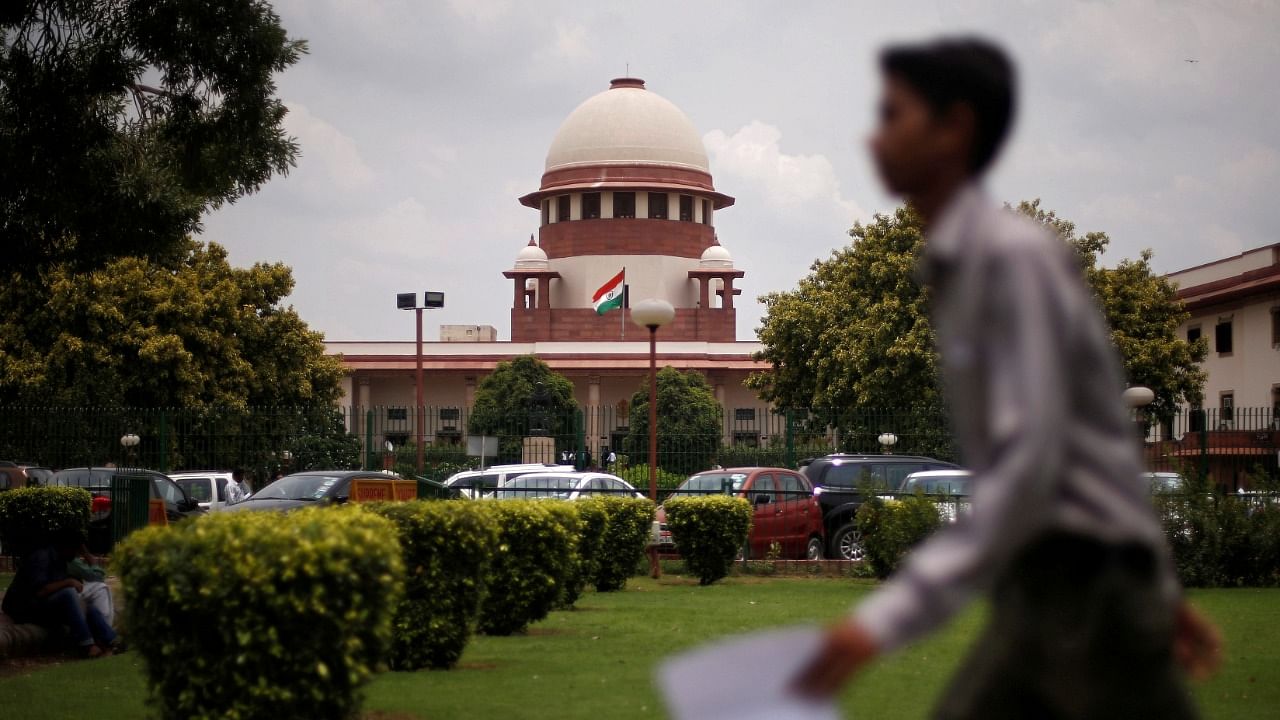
[1023, 364]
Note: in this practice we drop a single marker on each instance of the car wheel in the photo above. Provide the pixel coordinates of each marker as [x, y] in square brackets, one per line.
[814, 550]
[847, 544]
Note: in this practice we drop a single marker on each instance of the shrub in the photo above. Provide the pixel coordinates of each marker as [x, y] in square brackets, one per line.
[709, 531]
[890, 528]
[592, 521]
[446, 548]
[625, 535]
[261, 615]
[31, 516]
[533, 560]
[1221, 540]
[565, 514]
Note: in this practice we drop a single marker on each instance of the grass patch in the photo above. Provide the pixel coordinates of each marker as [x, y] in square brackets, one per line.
[597, 661]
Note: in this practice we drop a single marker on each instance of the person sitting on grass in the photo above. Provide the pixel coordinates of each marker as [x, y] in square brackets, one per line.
[44, 594]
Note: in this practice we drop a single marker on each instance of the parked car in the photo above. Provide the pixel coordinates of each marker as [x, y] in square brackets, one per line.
[207, 487]
[479, 483]
[784, 508]
[948, 488]
[1165, 482]
[37, 475]
[568, 485]
[306, 489]
[177, 504]
[838, 482]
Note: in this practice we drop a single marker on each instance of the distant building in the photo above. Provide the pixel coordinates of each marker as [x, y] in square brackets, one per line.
[468, 333]
[1235, 305]
[626, 187]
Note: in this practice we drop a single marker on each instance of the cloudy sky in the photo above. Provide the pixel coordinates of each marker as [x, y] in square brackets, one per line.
[422, 122]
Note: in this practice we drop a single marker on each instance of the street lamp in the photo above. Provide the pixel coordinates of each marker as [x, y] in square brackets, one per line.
[129, 441]
[887, 441]
[1138, 397]
[653, 314]
[409, 301]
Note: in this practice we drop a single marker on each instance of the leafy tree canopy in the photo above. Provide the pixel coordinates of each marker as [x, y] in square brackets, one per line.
[508, 402]
[690, 422]
[122, 121]
[143, 334]
[855, 332]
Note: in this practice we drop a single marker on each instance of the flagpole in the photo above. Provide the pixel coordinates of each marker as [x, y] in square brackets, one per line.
[623, 314]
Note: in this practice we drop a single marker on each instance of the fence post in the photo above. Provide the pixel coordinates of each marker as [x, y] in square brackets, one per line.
[580, 438]
[164, 441]
[1204, 448]
[791, 441]
[368, 440]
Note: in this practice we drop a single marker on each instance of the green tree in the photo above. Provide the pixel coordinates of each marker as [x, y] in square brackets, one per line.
[197, 333]
[855, 333]
[690, 422]
[123, 121]
[519, 396]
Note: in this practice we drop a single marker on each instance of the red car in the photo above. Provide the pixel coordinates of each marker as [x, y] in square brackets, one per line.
[785, 510]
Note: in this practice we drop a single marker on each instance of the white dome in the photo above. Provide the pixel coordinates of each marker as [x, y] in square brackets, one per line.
[716, 257]
[627, 125]
[531, 257]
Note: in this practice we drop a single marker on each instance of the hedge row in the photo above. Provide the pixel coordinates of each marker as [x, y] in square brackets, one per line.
[890, 528]
[304, 607]
[31, 516]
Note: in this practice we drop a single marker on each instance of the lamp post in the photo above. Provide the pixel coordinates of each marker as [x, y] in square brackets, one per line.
[129, 441]
[409, 301]
[887, 441]
[1138, 397]
[653, 314]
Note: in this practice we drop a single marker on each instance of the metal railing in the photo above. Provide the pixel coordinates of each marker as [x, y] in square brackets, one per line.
[1230, 445]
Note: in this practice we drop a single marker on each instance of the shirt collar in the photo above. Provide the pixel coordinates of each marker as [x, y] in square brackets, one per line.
[946, 239]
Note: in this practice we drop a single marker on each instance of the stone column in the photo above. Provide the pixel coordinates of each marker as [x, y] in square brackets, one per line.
[469, 391]
[593, 417]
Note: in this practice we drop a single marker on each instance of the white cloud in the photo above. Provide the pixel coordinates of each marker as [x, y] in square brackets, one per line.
[329, 157]
[754, 155]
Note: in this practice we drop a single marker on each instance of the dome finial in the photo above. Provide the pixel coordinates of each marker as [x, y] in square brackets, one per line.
[626, 82]
[531, 242]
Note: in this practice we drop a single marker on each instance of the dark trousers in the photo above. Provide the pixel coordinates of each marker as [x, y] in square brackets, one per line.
[86, 624]
[1079, 631]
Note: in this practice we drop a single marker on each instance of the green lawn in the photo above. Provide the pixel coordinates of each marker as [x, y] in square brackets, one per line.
[597, 661]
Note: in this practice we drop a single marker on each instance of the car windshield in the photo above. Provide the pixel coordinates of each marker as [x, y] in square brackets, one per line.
[537, 487]
[198, 489]
[297, 487]
[713, 482]
[938, 485]
[854, 475]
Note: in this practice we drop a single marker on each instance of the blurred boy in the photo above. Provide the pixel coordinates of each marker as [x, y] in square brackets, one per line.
[1087, 617]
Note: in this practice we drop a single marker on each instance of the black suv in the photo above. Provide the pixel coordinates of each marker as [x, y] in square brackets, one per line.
[838, 481]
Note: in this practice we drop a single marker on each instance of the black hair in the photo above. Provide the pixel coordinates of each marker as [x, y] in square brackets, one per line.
[968, 71]
[237, 474]
[67, 538]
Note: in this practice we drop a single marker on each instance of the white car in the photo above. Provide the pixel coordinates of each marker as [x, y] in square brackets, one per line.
[950, 489]
[564, 486]
[479, 483]
[207, 487]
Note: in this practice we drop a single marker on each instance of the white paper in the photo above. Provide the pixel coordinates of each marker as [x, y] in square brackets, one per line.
[746, 677]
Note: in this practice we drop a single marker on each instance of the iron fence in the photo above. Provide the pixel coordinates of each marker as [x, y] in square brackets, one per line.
[1231, 445]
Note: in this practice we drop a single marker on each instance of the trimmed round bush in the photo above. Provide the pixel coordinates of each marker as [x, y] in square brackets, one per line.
[262, 615]
[709, 531]
[628, 522]
[446, 548]
[890, 528]
[592, 522]
[31, 516]
[534, 559]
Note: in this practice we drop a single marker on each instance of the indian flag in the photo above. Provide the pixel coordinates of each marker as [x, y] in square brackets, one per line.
[609, 296]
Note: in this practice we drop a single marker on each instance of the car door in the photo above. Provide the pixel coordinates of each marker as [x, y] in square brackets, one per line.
[794, 502]
[762, 494]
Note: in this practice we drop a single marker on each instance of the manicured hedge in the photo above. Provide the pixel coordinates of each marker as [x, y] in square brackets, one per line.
[446, 549]
[626, 533]
[262, 615]
[592, 521]
[708, 531]
[534, 559]
[1221, 540]
[890, 528]
[31, 516]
